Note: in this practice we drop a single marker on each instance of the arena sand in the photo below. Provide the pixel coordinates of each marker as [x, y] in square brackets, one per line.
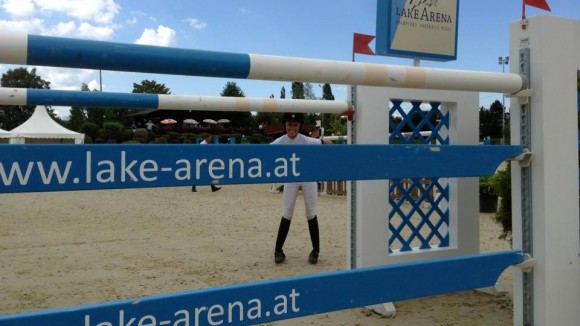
[74, 248]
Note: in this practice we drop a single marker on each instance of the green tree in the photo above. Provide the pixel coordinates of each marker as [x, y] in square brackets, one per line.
[490, 121]
[150, 87]
[78, 114]
[332, 123]
[91, 130]
[95, 115]
[11, 116]
[146, 86]
[309, 92]
[238, 119]
[113, 131]
[232, 89]
[283, 92]
[327, 93]
[501, 184]
[336, 125]
[298, 90]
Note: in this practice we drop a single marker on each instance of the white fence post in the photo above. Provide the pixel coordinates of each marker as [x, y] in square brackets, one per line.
[554, 44]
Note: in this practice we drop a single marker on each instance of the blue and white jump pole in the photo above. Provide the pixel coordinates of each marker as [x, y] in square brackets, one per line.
[23, 96]
[49, 51]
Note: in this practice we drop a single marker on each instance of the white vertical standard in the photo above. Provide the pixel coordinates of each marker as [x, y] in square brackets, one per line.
[549, 213]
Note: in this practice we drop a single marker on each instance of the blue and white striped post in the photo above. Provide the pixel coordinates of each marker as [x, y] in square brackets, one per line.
[23, 96]
[50, 51]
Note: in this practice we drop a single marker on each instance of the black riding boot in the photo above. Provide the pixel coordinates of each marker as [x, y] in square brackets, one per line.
[314, 237]
[283, 229]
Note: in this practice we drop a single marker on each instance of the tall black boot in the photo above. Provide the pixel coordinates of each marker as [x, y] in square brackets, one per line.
[283, 229]
[214, 188]
[315, 238]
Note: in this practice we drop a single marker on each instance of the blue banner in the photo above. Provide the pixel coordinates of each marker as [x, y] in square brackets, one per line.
[266, 301]
[32, 168]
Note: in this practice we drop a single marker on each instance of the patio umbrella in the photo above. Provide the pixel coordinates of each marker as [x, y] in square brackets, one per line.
[210, 121]
[168, 121]
[190, 121]
[223, 121]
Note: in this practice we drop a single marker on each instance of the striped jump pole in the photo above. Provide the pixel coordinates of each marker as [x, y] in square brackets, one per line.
[50, 51]
[24, 96]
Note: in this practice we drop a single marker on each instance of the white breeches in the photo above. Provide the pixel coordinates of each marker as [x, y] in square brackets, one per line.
[309, 191]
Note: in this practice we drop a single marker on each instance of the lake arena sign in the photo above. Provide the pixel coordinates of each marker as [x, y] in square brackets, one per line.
[420, 29]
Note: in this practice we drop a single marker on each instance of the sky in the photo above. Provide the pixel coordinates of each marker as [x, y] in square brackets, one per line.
[298, 28]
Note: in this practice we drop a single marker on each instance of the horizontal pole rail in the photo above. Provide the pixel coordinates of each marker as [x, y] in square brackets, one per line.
[24, 96]
[266, 301]
[33, 168]
[36, 50]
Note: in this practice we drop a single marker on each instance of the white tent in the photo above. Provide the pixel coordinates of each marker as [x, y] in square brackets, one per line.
[41, 128]
[4, 136]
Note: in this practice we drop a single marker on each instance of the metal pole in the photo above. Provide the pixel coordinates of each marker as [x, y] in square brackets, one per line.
[502, 106]
[503, 62]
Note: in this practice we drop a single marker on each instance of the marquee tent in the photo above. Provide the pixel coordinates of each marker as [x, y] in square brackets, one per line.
[40, 128]
[4, 136]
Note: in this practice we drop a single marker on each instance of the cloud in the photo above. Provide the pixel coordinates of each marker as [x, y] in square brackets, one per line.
[19, 8]
[97, 32]
[137, 14]
[132, 21]
[196, 23]
[64, 78]
[94, 84]
[243, 11]
[100, 11]
[84, 30]
[62, 29]
[31, 26]
[90, 18]
[163, 36]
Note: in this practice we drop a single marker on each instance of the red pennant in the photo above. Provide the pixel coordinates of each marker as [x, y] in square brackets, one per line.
[542, 4]
[361, 42]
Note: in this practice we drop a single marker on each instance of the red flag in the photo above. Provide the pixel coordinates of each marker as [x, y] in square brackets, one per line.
[360, 44]
[542, 4]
